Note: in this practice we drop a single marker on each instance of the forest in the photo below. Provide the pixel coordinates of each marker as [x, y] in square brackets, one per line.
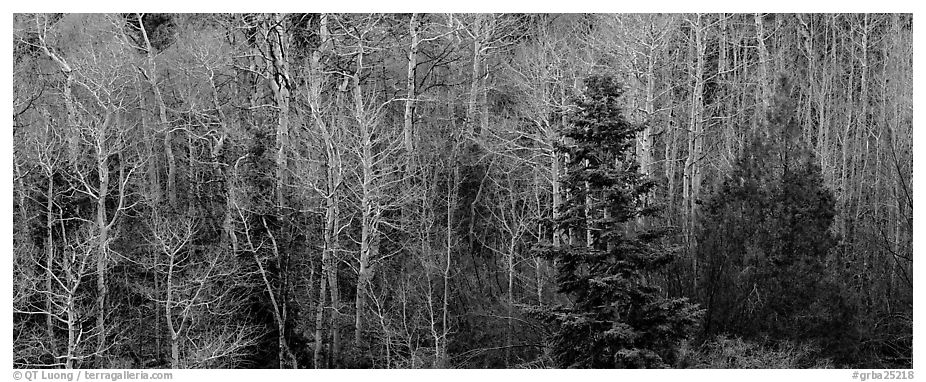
[462, 190]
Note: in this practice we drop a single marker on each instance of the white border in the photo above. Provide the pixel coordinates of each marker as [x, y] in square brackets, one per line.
[471, 6]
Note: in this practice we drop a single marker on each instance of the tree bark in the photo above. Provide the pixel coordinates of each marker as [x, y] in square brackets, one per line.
[320, 315]
[73, 330]
[102, 242]
[49, 259]
[278, 41]
[368, 208]
[169, 317]
[332, 164]
[692, 179]
[410, 85]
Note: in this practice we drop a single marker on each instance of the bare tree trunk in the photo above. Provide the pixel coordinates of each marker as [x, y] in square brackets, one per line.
[452, 199]
[102, 245]
[484, 99]
[366, 238]
[692, 181]
[157, 321]
[49, 258]
[222, 172]
[368, 230]
[278, 41]
[335, 291]
[174, 352]
[671, 155]
[765, 93]
[410, 84]
[320, 314]
[727, 108]
[475, 76]
[445, 326]
[151, 75]
[279, 313]
[72, 136]
[510, 325]
[645, 142]
[896, 57]
[332, 245]
[862, 124]
[328, 274]
[168, 316]
[71, 130]
[73, 331]
[332, 164]
[154, 182]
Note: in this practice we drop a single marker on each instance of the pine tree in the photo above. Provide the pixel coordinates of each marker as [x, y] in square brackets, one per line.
[616, 316]
[766, 239]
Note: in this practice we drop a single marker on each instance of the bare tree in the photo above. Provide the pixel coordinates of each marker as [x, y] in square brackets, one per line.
[150, 73]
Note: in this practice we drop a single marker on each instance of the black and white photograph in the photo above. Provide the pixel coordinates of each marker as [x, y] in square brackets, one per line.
[471, 190]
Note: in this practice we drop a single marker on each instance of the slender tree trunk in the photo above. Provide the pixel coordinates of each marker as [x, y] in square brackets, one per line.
[174, 352]
[222, 172]
[152, 76]
[72, 131]
[692, 181]
[102, 251]
[645, 140]
[484, 99]
[728, 107]
[368, 229]
[646, 136]
[445, 323]
[283, 352]
[154, 182]
[764, 93]
[410, 85]
[49, 259]
[73, 282]
[556, 169]
[441, 347]
[329, 264]
[278, 41]
[671, 156]
[510, 325]
[861, 127]
[157, 320]
[333, 283]
[320, 313]
[168, 314]
[366, 238]
[475, 76]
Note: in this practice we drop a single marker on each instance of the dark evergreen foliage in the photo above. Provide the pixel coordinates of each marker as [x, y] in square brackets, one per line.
[765, 243]
[617, 316]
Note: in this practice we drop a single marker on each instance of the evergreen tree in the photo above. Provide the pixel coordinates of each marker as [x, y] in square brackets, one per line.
[616, 316]
[766, 238]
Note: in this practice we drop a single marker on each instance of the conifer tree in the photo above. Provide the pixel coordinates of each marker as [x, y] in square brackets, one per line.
[616, 317]
[766, 239]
